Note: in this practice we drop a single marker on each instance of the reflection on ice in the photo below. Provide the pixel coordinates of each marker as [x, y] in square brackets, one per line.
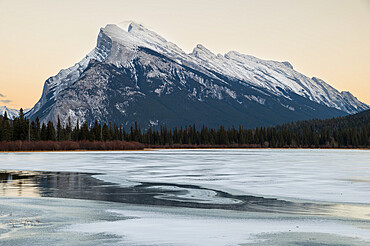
[18, 184]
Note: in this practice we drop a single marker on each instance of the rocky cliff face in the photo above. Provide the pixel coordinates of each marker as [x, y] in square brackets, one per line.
[136, 75]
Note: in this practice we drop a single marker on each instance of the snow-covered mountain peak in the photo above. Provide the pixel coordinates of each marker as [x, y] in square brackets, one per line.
[136, 26]
[139, 36]
[317, 80]
[145, 34]
[147, 58]
[201, 47]
[288, 64]
[117, 34]
[202, 53]
[235, 55]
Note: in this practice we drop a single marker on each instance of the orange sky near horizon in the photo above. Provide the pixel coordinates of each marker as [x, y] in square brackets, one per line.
[329, 39]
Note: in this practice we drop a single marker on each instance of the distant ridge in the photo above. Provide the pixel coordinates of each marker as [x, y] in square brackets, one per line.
[357, 121]
[10, 112]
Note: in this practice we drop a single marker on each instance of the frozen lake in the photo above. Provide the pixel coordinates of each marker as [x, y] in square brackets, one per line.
[187, 197]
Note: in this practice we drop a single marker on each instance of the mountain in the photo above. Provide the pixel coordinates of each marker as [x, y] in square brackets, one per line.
[10, 112]
[136, 75]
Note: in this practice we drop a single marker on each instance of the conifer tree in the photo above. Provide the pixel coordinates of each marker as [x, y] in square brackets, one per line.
[84, 133]
[59, 130]
[50, 131]
[106, 134]
[44, 133]
[37, 133]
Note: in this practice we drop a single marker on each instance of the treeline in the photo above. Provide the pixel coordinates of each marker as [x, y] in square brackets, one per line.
[344, 132]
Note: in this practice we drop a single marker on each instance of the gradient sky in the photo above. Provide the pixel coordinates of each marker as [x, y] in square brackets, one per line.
[329, 39]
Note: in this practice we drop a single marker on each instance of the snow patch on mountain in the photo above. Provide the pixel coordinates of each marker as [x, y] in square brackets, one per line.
[257, 99]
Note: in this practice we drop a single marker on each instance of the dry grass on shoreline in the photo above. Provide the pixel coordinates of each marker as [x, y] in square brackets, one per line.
[69, 145]
[25, 146]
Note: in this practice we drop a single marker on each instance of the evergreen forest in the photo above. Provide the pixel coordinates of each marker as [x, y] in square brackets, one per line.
[351, 131]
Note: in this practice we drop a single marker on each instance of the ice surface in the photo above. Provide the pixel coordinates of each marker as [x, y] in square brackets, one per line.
[34, 221]
[338, 176]
[321, 175]
[166, 228]
[83, 222]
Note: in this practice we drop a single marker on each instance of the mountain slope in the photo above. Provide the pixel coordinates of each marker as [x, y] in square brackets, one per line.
[136, 75]
[10, 112]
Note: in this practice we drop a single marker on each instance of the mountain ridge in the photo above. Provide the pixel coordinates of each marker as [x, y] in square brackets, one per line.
[146, 60]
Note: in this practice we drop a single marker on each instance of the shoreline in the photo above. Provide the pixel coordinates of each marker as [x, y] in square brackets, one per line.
[176, 148]
[76, 150]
